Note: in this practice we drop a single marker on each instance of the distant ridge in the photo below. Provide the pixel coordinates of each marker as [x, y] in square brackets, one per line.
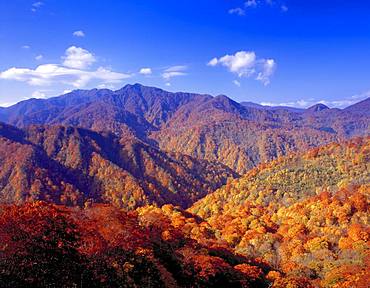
[362, 107]
[239, 135]
[255, 105]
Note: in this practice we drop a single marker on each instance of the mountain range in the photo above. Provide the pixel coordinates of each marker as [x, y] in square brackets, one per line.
[141, 145]
[239, 135]
[187, 189]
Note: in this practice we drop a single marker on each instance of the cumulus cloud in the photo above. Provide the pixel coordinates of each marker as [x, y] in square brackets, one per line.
[249, 4]
[77, 57]
[241, 62]
[39, 57]
[79, 33]
[241, 10]
[48, 74]
[238, 11]
[72, 71]
[268, 69]
[246, 64]
[36, 6]
[145, 71]
[236, 83]
[174, 71]
[213, 62]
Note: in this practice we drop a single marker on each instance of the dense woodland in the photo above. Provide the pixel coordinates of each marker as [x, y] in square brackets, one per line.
[145, 188]
[44, 245]
[75, 166]
[306, 215]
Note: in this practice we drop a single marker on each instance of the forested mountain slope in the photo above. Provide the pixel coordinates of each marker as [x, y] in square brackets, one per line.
[44, 245]
[297, 176]
[205, 127]
[71, 165]
[305, 214]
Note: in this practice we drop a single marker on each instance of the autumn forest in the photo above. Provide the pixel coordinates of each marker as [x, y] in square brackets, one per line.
[141, 187]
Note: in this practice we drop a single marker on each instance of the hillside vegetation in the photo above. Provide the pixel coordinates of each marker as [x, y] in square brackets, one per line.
[141, 187]
[238, 135]
[75, 166]
[306, 215]
[44, 245]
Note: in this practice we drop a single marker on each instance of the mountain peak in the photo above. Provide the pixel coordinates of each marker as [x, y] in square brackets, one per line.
[136, 85]
[317, 107]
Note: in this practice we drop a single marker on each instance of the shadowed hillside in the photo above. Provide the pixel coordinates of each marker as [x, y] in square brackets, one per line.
[74, 165]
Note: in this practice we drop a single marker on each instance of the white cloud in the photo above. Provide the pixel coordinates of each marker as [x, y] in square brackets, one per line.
[72, 72]
[79, 33]
[177, 68]
[298, 104]
[79, 58]
[361, 96]
[39, 94]
[246, 64]
[36, 6]
[237, 83]
[7, 104]
[268, 69]
[174, 71]
[241, 11]
[48, 74]
[250, 3]
[145, 71]
[26, 47]
[241, 62]
[168, 84]
[39, 57]
[237, 11]
[67, 91]
[213, 62]
[106, 86]
[340, 103]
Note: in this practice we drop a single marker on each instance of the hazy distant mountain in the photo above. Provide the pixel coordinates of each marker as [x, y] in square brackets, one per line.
[202, 126]
[255, 105]
[361, 108]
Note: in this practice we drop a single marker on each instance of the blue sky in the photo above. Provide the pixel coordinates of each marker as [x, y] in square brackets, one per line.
[269, 51]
